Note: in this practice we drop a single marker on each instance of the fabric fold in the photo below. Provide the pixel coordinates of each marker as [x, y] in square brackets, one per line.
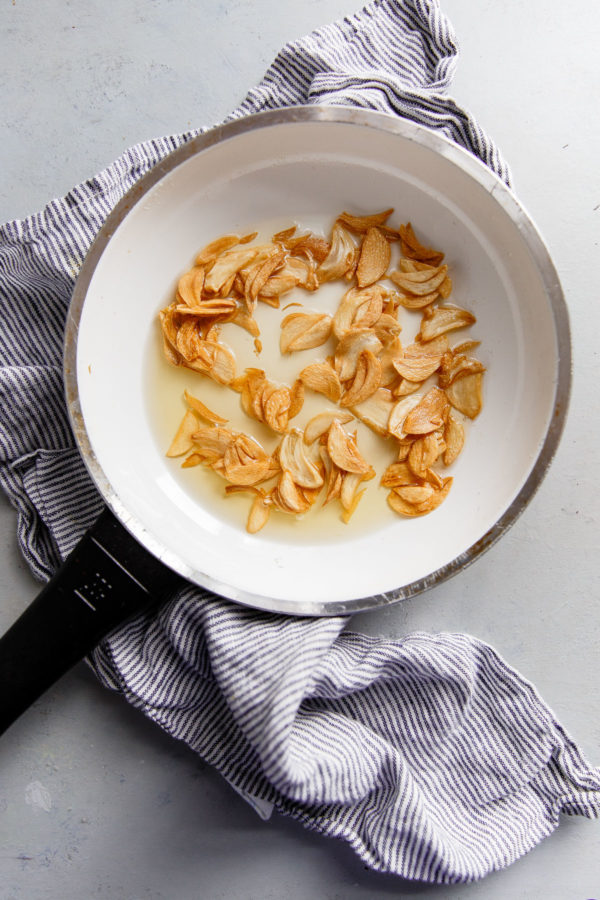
[429, 755]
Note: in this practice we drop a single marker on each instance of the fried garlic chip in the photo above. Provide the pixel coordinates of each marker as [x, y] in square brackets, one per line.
[422, 282]
[294, 273]
[350, 494]
[350, 348]
[237, 457]
[288, 497]
[322, 422]
[226, 267]
[245, 462]
[465, 394]
[429, 414]
[258, 275]
[296, 458]
[304, 331]
[414, 249]
[375, 256]
[323, 379]
[189, 287]
[258, 515]
[361, 224]
[454, 365]
[215, 360]
[358, 308]
[183, 440]
[366, 381]
[454, 436]
[343, 451]
[441, 319]
[423, 453]
[216, 248]
[342, 256]
[419, 499]
[312, 245]
[202, 410]
[413, 367]
[270, 403]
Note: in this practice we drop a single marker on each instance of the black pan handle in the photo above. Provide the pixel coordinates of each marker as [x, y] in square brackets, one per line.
[107, 578]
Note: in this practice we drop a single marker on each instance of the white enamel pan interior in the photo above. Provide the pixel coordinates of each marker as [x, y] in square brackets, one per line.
[306, 165]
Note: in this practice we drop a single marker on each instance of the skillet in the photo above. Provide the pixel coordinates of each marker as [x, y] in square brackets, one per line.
[303, 163]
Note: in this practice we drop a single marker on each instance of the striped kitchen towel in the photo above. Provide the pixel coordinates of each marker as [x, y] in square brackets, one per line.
[429, 755]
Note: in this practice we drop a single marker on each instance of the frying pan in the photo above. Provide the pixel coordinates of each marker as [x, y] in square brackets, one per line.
[301, 165]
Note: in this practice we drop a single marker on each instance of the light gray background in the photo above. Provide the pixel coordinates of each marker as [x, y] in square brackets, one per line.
[95, 802]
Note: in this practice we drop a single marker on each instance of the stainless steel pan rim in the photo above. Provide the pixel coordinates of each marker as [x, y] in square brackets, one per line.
[459, 158]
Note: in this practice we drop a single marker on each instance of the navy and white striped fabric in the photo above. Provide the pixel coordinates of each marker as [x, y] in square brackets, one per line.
[429, 755]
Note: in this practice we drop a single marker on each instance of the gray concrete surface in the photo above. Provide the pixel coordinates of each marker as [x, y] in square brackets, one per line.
[95, 802]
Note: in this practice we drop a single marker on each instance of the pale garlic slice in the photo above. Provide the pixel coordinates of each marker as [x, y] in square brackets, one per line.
[295, 457]
[376, 410]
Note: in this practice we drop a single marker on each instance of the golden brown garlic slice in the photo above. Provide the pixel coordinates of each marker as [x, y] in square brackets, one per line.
[342, 256]
[295, 457]
[412, 247]
[374, 259]
[429, 414]
[441, 319]
[454, 436]
[349, 349]
[304, 331]
[323, 379]
[465, 394]
[343, 451]
[421, 282]
[358, 308]
[366, 381]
